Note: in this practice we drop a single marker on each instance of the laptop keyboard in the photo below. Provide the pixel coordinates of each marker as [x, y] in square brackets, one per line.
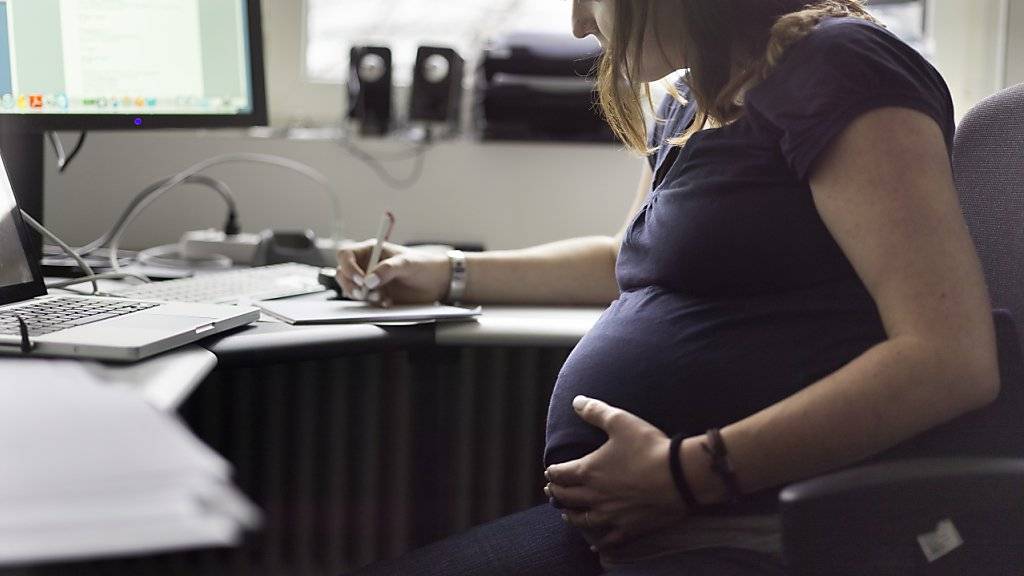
[63, 312]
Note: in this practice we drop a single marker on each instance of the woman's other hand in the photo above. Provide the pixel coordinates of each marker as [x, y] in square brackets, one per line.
[403, 275]
[622, 490]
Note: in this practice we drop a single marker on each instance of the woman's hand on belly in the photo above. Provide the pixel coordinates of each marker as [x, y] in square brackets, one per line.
[622, 490]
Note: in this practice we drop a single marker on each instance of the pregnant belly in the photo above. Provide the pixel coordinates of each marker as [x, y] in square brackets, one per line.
[687, 365]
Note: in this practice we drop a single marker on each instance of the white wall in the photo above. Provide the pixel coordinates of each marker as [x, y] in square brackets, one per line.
[293, 100]
[502, 195]
[970, 47]
[1015, 43]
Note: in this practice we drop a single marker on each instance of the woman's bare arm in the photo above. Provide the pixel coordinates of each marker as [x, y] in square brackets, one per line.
[580, 271]
[885, 191]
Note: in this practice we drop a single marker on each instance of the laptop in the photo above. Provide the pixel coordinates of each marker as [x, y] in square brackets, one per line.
[115, 329]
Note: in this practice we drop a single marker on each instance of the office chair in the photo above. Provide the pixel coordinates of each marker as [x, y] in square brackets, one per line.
[950, 501]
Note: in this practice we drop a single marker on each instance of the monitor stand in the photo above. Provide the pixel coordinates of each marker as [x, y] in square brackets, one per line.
[23, 156]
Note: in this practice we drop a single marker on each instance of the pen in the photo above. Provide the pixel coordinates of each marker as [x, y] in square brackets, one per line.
[387, 224]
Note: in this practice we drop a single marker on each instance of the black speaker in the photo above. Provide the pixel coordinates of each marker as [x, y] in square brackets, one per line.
[437, 85]
[369, 89]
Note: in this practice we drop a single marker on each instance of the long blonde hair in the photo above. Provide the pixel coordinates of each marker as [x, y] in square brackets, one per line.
[717, 35]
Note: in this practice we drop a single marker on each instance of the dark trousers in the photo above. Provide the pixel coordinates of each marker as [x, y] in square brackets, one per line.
[537, 543]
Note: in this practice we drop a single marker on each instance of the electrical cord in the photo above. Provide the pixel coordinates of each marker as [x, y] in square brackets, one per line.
[71, 252]
[376, 161]
[168, 256]
[247, 157]
[91, 276]
[63, 161]
[231, 226]
[418, 154]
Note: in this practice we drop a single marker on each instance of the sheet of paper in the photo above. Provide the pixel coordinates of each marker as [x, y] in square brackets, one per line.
[89, 470]
[61, 430]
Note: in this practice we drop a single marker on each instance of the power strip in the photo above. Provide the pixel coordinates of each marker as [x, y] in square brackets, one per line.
[240, 248]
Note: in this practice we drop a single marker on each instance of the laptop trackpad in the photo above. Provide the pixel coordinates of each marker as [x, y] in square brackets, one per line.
[161, 322]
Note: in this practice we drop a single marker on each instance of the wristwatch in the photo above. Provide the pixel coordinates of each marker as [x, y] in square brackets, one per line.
[457, 285]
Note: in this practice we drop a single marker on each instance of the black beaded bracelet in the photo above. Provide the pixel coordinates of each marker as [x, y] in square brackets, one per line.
[675, 464]
[721, 465]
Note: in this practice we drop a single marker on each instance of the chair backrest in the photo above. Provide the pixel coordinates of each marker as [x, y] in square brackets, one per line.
[988, 165]
[866, 520]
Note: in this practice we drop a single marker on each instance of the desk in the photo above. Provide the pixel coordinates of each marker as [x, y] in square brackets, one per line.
[164, 381]
[271, 342]
[521, 326]
[360, 442]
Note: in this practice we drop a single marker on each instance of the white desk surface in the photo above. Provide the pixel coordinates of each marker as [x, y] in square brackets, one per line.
[521, 326]
[164, 381]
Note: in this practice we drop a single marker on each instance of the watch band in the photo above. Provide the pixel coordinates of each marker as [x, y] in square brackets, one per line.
[457, 286]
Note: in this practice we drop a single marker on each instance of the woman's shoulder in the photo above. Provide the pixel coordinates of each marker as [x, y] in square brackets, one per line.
[841, 69]
[850, 47]
[848, 60]
[838, 33]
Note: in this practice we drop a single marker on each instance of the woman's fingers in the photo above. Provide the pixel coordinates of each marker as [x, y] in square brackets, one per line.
[589, 520]
[386, 272]
[350, 273]
[613, 538]
[347, 286]
[572, 473]
[580, 498]
[602, 415]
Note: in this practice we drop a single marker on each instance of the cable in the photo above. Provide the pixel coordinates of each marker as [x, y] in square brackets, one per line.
[418, 154]
[170, 183]
[167, 256]
[376, 162]
[63, 161]
[71, 252]
[230, 227]
[93, 278]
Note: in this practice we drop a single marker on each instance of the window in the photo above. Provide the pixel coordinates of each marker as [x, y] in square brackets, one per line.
[332, 26]
[906, 19]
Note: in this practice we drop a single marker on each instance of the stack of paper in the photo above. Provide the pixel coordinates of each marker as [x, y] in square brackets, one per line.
[88, 471]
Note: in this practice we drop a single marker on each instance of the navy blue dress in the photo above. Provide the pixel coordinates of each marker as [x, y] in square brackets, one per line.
[734, 295]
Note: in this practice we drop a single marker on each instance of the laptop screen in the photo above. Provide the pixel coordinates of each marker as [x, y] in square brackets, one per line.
[18, 277]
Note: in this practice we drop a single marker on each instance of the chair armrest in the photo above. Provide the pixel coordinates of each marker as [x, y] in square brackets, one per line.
[895, 517]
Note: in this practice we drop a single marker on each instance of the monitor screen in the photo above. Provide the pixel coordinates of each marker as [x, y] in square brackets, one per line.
[63, 62]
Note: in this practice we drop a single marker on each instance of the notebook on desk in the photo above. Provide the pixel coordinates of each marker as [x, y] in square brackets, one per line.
[307, 312]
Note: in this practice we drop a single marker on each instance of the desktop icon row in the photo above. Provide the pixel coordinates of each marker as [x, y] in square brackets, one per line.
[34, 101]
[61, 102]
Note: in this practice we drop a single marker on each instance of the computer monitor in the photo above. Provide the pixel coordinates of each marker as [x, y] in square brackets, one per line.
[123, 65]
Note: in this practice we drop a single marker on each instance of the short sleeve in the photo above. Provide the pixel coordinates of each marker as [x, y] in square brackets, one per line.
[845, 68]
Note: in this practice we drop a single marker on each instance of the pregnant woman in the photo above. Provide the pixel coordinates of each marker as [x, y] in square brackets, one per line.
[794, 291]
